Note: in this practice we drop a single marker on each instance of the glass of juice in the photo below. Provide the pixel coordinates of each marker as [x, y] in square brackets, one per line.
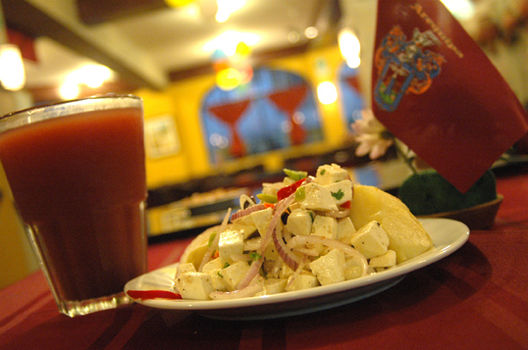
[77, 173]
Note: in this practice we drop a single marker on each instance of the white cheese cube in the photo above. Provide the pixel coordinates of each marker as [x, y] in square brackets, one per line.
[180, 270]
[345, 230]
[252, 243]
[247, 228]
[214, 269]
[301, 281]
[271, 253]
[217, 280]
[324, 226]
[327, 174]
[352, 269]
[230, 245]
[274, 286]
[271, 187]
[317, 197]
[385, 260]
[330, 267]
[234, 273]
[299, 222]
[214, 264]
[195, 285]
[261, 219]
[371, 240]
[341, 191]
[187, 267]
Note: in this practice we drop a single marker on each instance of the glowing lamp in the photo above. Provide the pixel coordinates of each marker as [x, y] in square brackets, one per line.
[327, 92]
[12, 72]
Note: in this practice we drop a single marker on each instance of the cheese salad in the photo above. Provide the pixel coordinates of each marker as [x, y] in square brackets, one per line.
[299, 233]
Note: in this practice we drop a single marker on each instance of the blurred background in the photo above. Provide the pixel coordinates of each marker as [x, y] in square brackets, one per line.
[234, 90]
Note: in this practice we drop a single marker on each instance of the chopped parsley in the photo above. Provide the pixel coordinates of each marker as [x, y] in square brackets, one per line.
[226, 265]
[220, 274]
[322, 172]
[338, 195]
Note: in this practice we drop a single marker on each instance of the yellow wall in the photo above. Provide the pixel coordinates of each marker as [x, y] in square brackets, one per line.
[16, 256]
[183, 100]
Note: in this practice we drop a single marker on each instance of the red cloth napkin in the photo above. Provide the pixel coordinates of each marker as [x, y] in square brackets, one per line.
[436, 91]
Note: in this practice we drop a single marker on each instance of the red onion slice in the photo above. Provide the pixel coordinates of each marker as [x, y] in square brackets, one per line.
[248, 291]
[280, 207]
[251, 274]
[309, 252]
[285, 253]
[243, 212]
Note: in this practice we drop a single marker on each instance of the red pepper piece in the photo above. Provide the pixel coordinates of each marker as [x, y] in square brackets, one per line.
[345, 205]
[288, 190]
[153, 294]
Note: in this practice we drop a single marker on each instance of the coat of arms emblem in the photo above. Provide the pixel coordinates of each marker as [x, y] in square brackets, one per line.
[405, 66]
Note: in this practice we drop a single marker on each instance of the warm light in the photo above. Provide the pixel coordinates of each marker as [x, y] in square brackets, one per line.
[350, 47]
[229, 78]
[311, 32]
[69, 90]
[192, 11]
[462, 9]
[226, 8]
[293, 36]
[178, 3]
[327, 92]
[242, 49]
[12, 72]
[229, 40]
[93, 75]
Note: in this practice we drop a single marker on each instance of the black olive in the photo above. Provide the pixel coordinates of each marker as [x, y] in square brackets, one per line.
[284, 217]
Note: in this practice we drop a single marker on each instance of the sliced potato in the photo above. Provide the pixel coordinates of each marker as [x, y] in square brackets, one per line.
[196, 249]
[407, 236]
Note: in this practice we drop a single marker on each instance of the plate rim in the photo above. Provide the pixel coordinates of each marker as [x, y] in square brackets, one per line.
[405, 268]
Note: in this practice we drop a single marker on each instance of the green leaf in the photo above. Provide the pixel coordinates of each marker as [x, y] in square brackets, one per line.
[338, 195]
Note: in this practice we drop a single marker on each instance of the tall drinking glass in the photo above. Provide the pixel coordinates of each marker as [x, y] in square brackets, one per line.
[77, 173]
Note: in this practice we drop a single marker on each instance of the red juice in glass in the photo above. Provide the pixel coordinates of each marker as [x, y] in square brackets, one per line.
[77, 174]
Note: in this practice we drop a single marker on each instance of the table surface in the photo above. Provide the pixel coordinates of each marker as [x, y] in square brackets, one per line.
[475, 298]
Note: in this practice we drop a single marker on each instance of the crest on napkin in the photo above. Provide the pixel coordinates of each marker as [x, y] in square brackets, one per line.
[436, 91]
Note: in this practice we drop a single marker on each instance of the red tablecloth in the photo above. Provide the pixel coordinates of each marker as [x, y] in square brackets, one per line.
[475, 298]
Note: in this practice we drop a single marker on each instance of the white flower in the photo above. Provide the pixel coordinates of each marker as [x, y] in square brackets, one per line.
[371, 135]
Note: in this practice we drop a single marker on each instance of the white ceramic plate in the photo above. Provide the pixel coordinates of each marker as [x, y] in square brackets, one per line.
[447, 235]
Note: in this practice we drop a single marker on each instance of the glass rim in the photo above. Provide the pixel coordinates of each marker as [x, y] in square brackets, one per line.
[52, 110]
